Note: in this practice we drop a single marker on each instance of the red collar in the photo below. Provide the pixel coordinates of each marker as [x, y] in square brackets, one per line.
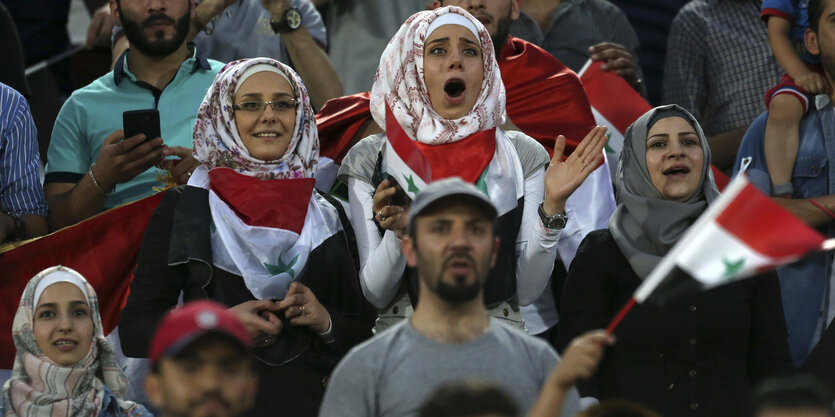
[278, 204]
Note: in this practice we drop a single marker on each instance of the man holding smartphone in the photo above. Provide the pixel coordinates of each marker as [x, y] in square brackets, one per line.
[92, 164]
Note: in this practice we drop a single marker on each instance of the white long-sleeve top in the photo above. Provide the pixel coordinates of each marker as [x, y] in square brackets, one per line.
[588, 209]
[382, 263]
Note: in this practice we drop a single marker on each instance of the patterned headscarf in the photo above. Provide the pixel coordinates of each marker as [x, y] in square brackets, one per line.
[645, 225]
[400, 83]
[39, 386]
[218, 144]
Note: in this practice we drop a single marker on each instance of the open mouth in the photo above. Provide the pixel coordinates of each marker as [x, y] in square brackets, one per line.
[455, 88]
[677, 170]
[65, 344]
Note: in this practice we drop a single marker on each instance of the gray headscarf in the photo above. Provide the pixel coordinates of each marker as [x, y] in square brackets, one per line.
[645, 225]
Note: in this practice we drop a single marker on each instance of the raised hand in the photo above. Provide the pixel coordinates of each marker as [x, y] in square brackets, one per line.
[563, 177]
[580, 359]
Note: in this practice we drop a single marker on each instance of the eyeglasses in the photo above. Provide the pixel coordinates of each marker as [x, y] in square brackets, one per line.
[279, 106]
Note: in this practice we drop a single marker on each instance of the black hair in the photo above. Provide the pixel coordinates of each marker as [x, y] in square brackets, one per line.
[800, 392]
[815, 11]
[464, 399]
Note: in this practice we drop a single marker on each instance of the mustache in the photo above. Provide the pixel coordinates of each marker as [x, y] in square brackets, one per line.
[158, 17]
[211, 395]
[457, 256]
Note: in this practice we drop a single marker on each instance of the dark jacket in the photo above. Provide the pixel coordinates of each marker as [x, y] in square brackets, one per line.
[176, 256]
[695, 355]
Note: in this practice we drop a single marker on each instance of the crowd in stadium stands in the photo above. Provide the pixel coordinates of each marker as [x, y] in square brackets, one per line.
[405, 208]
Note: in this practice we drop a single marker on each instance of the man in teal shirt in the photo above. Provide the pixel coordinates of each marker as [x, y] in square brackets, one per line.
[91, 165]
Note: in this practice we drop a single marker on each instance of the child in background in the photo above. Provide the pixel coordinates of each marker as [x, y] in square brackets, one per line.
[788, 101]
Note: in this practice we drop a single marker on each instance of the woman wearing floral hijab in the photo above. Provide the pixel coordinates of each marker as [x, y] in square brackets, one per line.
[64, 365]
[438, 90]
[250, 231]
[694, 354]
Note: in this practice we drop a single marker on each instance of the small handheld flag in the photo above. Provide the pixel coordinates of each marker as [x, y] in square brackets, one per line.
[742, 233]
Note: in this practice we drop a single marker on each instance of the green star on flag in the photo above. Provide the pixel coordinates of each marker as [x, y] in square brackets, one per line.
[282, 267]
[731, 267]
[410, 182]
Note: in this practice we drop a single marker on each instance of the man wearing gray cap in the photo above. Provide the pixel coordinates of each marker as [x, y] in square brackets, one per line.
[452, 245]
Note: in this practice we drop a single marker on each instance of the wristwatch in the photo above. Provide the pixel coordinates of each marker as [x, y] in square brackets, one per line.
[19, 226]
[555, 222]
[291, 21]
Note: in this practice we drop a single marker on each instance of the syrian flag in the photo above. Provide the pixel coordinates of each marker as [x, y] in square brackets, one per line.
[403, 161]
[267, 244]
[102, 248]
[614, 103]
[743, 233]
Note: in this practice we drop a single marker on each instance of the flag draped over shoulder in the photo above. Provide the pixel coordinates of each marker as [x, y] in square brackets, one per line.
[616, 105]
[103, 249]
[544, 97]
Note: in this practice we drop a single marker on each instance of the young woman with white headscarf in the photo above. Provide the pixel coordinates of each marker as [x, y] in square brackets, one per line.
[693, 354]
[250, 231]
[64, 365]
[438, 85]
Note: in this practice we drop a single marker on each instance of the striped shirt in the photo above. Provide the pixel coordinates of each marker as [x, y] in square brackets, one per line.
[20, 185]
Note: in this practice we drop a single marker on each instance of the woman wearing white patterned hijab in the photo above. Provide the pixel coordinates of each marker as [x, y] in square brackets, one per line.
[439, 86]
[64, 366]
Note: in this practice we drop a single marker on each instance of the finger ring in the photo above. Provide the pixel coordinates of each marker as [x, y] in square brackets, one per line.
[301, 309]
[380, 216]
[268, 339]
[188, 174]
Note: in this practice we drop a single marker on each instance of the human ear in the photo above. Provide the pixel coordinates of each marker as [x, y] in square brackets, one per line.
[515, 10]
[810, 38]
[114, 11]
[409, 251]
[153, 389]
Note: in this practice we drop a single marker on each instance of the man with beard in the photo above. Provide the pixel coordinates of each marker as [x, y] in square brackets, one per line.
[452, 245]
[200, 363]
[91, 164]
[806, 285]
[544, 99]
[290, 31]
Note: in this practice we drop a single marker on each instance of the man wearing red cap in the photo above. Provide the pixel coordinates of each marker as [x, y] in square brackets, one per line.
[200, 363]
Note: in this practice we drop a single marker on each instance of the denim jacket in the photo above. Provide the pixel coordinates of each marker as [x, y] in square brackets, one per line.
[804, 283]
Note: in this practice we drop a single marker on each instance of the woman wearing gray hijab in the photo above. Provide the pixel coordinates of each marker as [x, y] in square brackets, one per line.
[696, 354]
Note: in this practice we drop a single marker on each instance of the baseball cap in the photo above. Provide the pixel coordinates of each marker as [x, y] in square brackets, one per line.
[445, 188]
[182, 326]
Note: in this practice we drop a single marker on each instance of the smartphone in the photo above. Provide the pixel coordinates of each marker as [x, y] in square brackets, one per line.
[135, 122]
